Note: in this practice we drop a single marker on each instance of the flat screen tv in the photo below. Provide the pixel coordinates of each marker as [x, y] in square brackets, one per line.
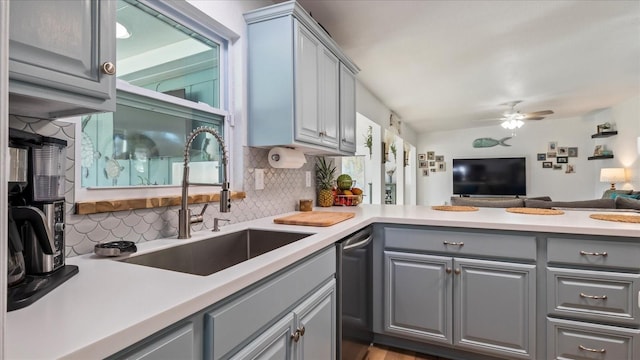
[490, 176]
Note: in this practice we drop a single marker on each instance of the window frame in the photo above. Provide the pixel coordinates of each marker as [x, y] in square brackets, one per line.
[189, 17]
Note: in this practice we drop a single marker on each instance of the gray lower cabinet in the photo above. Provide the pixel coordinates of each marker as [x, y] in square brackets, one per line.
[453, 300]
[593, 305]
[454, 290]
[175, 344]
[577, 340]
[61, 68]
[290, 315]
[308, 332]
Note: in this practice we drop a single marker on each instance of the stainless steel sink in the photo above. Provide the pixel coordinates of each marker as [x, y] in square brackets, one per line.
[206, 257]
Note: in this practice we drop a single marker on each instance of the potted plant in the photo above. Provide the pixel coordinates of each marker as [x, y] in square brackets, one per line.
[368, 141]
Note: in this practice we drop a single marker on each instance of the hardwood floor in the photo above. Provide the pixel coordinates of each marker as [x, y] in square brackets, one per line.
[378, 352]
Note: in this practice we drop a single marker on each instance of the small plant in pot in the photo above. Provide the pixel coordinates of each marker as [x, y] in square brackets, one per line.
[325, 177]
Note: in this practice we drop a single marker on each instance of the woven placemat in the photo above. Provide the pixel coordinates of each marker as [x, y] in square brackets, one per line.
[618, 218]
[534, 211]
[454, 208]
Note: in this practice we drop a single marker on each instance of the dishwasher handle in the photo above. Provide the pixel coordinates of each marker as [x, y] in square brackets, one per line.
[354, 242]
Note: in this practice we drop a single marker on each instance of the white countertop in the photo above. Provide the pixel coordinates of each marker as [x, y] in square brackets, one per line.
[110, 305]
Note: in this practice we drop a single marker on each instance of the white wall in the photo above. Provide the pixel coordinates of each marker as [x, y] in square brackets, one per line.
[533, 138]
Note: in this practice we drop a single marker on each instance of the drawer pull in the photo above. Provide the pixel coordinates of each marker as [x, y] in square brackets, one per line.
[596, 297]
[448, 270]
[601, 351]
[604, 253]
[461, 244]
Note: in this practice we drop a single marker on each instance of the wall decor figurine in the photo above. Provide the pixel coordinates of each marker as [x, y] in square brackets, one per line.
[489, 142]
[570, 169]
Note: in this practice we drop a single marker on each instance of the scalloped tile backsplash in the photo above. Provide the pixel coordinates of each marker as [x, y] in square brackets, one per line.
[282, 190]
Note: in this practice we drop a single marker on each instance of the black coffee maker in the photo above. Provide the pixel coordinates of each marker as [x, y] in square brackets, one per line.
[36, 219]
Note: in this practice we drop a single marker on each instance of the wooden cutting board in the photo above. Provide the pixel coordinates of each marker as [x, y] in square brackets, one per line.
[315, 218]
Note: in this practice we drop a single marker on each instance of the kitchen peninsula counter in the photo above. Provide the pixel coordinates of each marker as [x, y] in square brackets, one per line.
[110, 305]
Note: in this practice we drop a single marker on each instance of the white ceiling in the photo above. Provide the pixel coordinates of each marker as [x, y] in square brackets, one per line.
[446, 64]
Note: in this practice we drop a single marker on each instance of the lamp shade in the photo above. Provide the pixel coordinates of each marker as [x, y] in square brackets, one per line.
[612, 176]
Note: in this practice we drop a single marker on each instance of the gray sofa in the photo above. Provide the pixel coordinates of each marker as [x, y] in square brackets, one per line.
[611, 199]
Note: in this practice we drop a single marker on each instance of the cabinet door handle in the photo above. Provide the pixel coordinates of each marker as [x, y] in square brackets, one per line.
[461, 244]
[322, 133]
[601, 351]
[596, 297]
[582, 252]
[457, 271]
[301, 330]
[448, 270]
[108, 68]
[296, 336]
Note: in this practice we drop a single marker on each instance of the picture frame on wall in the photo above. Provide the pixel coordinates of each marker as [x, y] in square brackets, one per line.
[425, 172]
[542, 156]
[562, 159]
[422, 157]
[439, 157]
[572, 152]
[432, 163]
[441, 166]
[563, 151]
[431, 155]
[552, 147]
[422, 164]
[547, 165]
[557, 166]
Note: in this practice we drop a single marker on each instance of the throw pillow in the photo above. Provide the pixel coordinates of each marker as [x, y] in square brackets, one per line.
[627, 203]
[628, 196]
[608, 194]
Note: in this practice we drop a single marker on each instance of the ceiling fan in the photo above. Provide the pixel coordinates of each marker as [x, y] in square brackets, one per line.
[513, 119]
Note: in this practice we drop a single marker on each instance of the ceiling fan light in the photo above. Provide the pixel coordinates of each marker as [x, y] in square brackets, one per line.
[512, 124]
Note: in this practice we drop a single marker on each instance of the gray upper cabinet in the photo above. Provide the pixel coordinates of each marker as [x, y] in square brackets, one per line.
[301, 86]
[61, 57]
[347, 110]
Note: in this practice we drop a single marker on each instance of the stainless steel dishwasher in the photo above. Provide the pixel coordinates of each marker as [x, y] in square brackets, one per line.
[354, 311]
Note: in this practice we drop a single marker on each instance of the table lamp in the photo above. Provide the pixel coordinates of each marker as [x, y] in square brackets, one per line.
[612, 176]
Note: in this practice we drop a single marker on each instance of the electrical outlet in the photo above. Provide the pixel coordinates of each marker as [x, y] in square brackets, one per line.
[307, 177]
[259, 178]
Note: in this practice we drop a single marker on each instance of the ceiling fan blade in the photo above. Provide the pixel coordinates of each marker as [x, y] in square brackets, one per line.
[534, 118]
[540, 113]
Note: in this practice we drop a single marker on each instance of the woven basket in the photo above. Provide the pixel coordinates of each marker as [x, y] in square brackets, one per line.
[534, 211]
[454, 208]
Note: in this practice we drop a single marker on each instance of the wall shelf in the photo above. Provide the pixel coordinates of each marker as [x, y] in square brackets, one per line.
[604, 134]
[599, 157]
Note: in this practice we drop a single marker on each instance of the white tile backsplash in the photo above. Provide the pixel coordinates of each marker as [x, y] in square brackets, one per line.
[283, 188]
